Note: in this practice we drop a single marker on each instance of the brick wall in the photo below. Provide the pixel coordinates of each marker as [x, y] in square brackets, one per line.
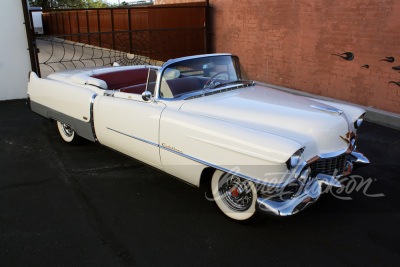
[289, 43]
[163, 2]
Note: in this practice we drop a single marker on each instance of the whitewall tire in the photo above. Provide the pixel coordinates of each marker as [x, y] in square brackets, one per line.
[236, 197]
[67, 133]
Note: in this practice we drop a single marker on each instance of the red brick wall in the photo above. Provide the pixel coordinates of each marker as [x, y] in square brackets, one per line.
[297, 38]
[163, 2]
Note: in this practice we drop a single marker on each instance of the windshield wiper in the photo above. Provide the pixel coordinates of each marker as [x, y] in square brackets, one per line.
[237, 81]
[211, 90]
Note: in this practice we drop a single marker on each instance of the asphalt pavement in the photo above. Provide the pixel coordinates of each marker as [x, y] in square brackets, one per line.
[62, 205]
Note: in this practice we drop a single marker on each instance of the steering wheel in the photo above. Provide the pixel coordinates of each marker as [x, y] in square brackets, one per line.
[214, 77]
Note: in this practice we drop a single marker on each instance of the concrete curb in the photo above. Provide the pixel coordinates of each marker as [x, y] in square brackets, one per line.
[373, 115]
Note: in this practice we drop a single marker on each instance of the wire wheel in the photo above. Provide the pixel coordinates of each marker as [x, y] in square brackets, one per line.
[235, 197]
[68, 131]
[235, 192]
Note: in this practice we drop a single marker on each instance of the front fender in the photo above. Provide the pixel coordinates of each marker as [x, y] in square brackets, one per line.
[223, 145]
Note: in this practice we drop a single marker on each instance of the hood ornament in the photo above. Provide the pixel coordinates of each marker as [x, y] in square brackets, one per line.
[329, 110]
[347, 139]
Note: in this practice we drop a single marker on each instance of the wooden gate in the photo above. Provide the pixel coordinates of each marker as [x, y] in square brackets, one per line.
[130, 36]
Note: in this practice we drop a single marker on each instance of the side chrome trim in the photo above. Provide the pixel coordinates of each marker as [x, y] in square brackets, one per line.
[91, 121]
[326, 109]
[134, 137]
[281, 185]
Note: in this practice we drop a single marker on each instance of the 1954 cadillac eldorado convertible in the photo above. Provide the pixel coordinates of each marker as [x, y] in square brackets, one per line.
[200, 119]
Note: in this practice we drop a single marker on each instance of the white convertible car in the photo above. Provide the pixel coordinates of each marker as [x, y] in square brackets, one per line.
[200, 119]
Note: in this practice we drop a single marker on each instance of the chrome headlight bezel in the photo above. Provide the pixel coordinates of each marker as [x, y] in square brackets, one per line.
[295, 159]
[357, 123]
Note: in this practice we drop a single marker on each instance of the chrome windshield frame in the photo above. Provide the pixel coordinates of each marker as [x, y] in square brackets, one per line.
[173, 61]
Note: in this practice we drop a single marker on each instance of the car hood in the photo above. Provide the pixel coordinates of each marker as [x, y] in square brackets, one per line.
[275, 112]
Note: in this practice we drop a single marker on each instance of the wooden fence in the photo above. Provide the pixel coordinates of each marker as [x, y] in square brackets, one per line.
[158, 32]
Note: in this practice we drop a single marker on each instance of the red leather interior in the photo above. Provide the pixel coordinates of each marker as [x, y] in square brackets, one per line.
[125, 78]
[135, 89]
[184, 85]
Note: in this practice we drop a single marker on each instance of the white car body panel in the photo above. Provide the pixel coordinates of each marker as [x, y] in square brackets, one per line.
[68, 99]
[122, 128]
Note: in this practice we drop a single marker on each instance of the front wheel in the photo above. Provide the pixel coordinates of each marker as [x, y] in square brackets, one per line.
[68, 134]
[236, 197]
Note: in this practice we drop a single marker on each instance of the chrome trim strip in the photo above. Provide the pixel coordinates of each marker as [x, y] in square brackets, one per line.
[91, 121]
[171, 61]
[326, 109]
[281, 185]
[224, 169]
[134, 137]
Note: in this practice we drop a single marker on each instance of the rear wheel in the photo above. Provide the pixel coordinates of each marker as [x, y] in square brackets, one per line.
[236, 197]
[68, 134]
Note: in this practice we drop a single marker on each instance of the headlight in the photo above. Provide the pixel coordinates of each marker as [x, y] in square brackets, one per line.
[294, 160]
[359, 121]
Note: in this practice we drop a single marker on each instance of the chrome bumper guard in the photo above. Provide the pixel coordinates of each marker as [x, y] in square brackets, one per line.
[310, 192]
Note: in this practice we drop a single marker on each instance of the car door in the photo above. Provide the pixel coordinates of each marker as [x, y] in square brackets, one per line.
[128, 124]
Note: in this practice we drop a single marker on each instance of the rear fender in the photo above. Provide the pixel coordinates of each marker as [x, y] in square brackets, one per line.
[63, 102]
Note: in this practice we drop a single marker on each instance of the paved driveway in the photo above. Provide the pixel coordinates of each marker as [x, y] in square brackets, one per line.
[88, 205]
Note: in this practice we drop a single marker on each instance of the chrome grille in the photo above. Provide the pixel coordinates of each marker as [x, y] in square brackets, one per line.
[329, 166]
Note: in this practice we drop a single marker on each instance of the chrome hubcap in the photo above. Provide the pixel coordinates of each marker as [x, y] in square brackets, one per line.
[68, 131]
[235, 192]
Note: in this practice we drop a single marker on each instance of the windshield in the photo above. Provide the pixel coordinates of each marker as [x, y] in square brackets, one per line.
[200, 74]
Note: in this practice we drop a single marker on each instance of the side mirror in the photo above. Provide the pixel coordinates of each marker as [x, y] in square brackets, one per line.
[146, 95]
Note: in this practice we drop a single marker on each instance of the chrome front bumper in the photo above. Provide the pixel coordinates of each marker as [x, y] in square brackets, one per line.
[310, 191]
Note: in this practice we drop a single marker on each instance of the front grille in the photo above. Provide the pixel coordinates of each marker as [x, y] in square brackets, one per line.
[329, 166]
